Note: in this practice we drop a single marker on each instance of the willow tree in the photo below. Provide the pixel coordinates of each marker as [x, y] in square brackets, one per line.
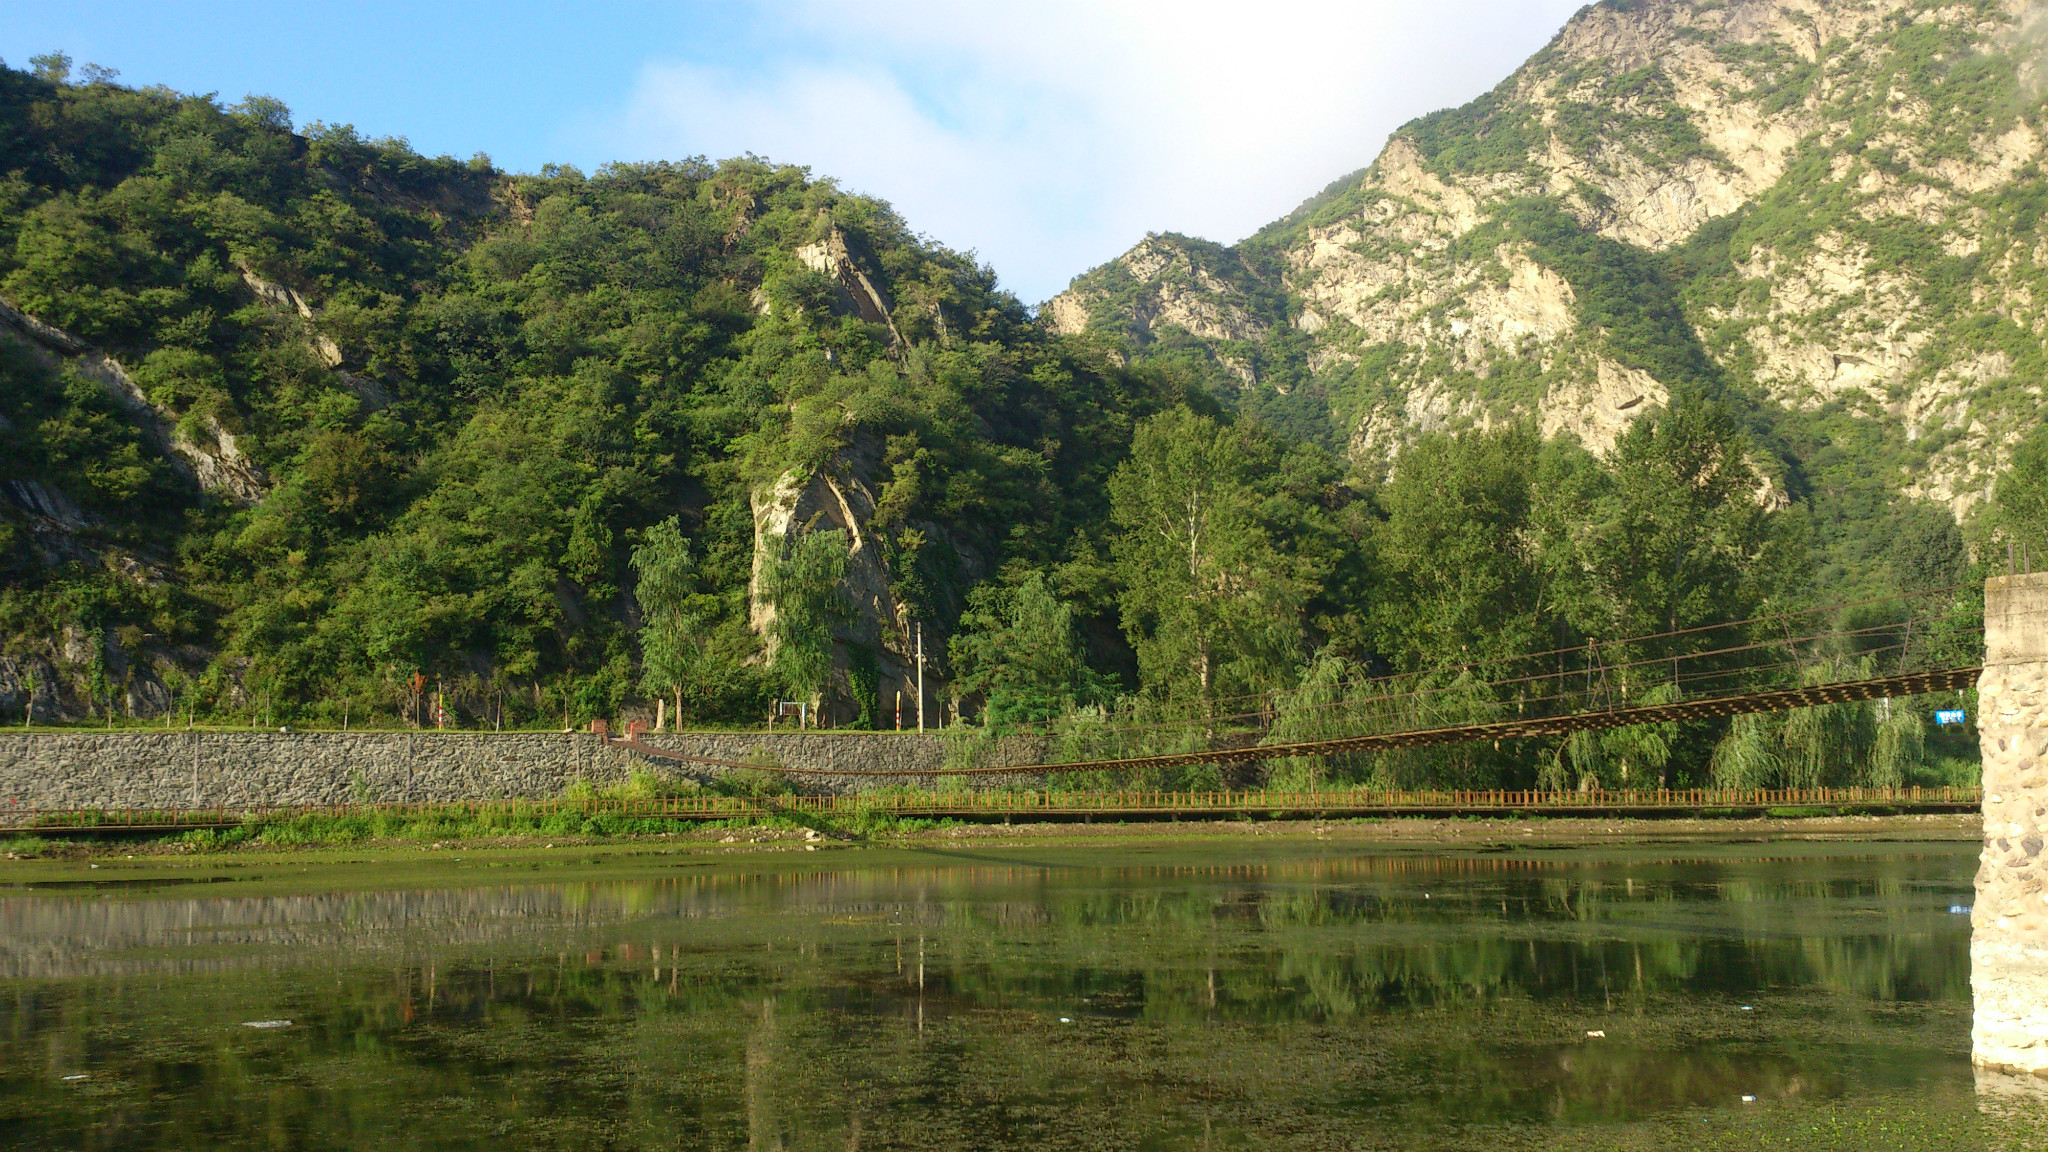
[1747, 757]
[1826, 742]
[1640, 751]
[1900, 747]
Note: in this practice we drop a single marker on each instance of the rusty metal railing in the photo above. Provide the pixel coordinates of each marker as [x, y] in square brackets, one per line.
[996, 804]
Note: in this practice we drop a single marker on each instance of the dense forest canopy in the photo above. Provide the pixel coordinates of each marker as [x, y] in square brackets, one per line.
[299, 425]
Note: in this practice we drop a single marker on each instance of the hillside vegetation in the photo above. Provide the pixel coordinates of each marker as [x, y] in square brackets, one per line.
[304, 428]
[393, 415]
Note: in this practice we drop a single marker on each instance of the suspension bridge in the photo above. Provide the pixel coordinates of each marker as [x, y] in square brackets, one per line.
[1918, 645]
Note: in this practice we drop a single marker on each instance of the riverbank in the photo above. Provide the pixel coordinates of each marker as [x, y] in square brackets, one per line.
[307, 839]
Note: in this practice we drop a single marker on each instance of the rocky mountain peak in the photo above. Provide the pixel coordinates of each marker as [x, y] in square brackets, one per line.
[1813, 205]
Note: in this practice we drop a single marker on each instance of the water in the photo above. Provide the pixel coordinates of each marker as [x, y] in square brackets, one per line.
[1218, 996]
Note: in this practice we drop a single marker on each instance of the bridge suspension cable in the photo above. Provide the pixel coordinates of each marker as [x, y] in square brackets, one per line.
[1673, 676]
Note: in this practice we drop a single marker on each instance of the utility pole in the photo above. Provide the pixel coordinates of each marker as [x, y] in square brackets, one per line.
[920, 676]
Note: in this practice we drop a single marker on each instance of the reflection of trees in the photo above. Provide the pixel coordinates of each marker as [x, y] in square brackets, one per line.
[788, 1014]
[764, 1134]
[1339, 946]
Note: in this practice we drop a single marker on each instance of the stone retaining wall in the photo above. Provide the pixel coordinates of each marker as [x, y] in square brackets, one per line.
[2009, 922]
[202, 769]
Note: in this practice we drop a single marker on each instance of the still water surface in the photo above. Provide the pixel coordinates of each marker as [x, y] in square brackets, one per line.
[1298, 995]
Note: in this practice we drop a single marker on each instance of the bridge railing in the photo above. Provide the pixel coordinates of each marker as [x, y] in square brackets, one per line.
[1347, 801]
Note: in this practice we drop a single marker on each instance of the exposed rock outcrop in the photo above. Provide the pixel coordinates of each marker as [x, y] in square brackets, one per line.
[283, 297]
[1600, 409]
[839, 497]
[1166, 282]
[213, 460]
[28, 689]
[858, 294]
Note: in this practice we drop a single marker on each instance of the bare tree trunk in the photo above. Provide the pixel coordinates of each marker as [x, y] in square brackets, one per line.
[1205, 669]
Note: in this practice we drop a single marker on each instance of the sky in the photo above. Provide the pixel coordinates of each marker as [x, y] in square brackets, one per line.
[1045, 137]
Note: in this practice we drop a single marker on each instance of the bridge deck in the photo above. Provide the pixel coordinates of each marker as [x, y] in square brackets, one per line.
[1009, 806]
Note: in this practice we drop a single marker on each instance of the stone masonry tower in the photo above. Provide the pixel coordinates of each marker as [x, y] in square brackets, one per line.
[2009, 924]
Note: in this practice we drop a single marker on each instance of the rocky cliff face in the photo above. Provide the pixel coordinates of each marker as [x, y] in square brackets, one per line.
[1831, 205]
[839, 497]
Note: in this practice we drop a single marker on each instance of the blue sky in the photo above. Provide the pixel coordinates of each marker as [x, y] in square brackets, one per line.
[1045, 136]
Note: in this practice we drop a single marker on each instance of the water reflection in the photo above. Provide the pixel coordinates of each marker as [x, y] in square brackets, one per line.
[1360, 1001]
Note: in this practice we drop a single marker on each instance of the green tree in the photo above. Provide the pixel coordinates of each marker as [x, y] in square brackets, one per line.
[806, 587]
[1455, 561]
[1641, 752]
[1319, 707]
[1827, 743]
[1681, 537]
[2020, 501]
[54, 67]
[1576, 762]
[1747, 756]
[1210, 605]
[1016, 649]
[1899, 750]
[31, 682]
[671, 630]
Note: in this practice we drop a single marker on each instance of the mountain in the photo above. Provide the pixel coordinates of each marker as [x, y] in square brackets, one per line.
[1828, 212]
[1712, 312]
[297, 424]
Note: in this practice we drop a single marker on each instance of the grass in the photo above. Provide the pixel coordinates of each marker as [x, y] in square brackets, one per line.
[23, 844]
[458, 825]
[370, 827]
[521, 820]
[1890, 1124]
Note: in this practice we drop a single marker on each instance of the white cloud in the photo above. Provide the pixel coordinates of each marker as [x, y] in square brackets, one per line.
[1050, 136]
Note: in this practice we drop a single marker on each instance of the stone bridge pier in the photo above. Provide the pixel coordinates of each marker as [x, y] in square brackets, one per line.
[2009, 922]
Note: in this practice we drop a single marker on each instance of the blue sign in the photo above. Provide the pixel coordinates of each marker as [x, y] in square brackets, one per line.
[1949, 717]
